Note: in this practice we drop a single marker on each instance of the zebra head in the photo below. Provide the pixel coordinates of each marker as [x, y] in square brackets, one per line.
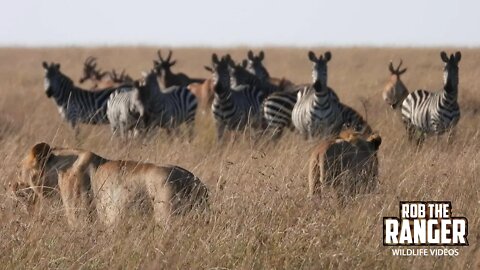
[53, 78]
[238, 73]
[395, 91]
[220, 71]
[450, 71]
[255, 65]
[319, 72]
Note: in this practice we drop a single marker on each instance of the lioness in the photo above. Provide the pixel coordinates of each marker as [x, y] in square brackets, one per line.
[349, 164]
[92, 185]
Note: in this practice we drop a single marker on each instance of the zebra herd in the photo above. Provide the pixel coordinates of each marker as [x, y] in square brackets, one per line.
[243, 96]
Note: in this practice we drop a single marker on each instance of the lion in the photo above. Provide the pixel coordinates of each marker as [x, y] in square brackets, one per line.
[91, 186]
[348, 163]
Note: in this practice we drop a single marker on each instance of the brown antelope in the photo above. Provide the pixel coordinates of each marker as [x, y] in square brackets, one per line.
[395, 91]
[349, 164]
[204, 93]
[102, 80]
[201, 88]
[167, 77]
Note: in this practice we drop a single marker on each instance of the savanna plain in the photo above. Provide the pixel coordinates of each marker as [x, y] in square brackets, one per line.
[260, 216]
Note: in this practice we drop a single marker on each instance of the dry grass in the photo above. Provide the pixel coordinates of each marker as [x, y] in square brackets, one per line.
[261, 218]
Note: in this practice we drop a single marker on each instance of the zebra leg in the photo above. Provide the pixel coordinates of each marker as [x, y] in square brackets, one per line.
[220, 131]
[76, 130]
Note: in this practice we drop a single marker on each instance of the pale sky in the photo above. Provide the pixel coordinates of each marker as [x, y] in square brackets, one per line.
[241, 22]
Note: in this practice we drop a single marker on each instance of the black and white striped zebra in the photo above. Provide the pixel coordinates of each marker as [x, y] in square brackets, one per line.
[277, 112]
[437, 112]
[74, 104]
[255, 66]
[233, 109]
[126, 112]
[240, 76]
[167, 108]
[318, 111]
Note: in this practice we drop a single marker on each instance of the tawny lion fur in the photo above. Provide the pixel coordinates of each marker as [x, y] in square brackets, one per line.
[90, 185]
[349, 164]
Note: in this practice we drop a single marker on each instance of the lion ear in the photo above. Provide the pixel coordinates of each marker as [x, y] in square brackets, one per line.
[41, 153]
[376, 140]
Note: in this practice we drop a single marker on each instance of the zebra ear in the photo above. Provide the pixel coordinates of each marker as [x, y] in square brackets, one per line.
[444, 56]
[136, 84]
[250, 55]
[312, 57]
[458, 56]
[57, 66]
[261, 55]
[215, 58]
[244, 63]
[327, 56]
[45, 65]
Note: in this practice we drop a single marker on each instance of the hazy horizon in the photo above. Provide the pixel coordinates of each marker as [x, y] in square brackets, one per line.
[216, 23]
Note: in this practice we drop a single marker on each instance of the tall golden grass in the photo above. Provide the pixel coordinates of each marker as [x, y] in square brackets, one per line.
[260, 216]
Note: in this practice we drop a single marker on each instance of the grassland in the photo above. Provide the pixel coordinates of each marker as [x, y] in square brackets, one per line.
[260, 218]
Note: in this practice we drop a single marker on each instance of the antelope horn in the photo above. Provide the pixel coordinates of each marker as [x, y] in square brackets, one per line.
[159, 53]
[399, 65]
[169, 55]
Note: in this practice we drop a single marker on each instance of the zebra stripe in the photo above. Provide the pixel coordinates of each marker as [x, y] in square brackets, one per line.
[240, 76]
[75, 104]
[277, 111]
[435, 113]
[233, 109]
[318, 111]
[169, 108]
[125, 110]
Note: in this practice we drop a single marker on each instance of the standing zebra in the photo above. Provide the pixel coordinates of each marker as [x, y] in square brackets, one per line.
[434, 113]
[76, 105]
[277, 112]
[125, 110]
[255, 66]
[240, 76]
[233, 110]
[168, 108]
[318, 111]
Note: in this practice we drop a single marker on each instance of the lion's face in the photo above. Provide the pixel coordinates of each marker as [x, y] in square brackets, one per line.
[34, 175]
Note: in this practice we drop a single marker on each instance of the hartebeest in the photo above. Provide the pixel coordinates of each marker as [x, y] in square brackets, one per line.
[167, 77]
[395, 91]
[103, 79]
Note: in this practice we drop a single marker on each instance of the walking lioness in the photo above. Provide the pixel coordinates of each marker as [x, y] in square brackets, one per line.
[348, 163]
[90, 185]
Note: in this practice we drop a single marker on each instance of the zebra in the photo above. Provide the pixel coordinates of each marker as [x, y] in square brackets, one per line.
[125, 111]
[277, 112]
[318, 111]
[434, 113]
[254, 65]
[233, 110]
[74, 104]
[240, 76]
[169, 108]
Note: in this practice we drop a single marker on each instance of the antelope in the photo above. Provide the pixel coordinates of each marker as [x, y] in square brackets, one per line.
[105, 79]
[168, 78]
[395, 91]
